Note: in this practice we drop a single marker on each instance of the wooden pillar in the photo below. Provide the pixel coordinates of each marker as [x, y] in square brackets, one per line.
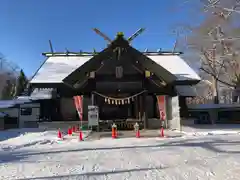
[92, 85]
[133, 110]
[136, 107]
[93, 99]
[140, 107]
[145, 112]
[154, 106]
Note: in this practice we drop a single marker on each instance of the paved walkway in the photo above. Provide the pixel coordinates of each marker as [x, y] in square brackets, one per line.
[130, 134]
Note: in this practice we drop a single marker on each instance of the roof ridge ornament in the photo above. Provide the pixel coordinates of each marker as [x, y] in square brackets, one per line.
[119, 34]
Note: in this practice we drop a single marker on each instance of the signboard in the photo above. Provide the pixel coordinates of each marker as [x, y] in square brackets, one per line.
[175, 113]
[93, 116]
[175, 108]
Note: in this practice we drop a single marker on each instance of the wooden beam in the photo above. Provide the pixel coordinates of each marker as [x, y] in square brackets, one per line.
[128, 78]
[125, 78]
[84, 53]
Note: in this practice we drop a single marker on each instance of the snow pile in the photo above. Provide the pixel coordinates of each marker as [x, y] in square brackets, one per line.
[216, 132]
[206, 130]
[20, 138]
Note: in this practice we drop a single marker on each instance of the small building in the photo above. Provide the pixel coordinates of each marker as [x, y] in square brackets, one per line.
[214, 113]
[3, 116]
[122, 81]
[21, 113]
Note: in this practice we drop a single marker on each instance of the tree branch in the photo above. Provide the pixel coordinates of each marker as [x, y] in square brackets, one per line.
[226, 83]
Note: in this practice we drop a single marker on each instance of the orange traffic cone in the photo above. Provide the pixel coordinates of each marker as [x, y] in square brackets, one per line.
[162, 132]
[80, 136]
[114, 131]
[59, 134]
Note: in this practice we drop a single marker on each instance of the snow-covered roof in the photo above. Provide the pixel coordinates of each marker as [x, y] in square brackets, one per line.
[42, 93]
[12, 103]
[177, 66]
[56, 68]
[6, 104]
[2, 114]
[38, 94]
[186, 91]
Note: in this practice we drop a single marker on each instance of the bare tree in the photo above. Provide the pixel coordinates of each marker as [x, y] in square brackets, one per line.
[8, 76]
[215, 42]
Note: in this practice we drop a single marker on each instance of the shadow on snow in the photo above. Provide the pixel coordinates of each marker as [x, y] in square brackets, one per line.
[213, 145]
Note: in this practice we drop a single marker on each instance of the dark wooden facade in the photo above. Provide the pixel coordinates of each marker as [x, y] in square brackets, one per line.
[100, 74]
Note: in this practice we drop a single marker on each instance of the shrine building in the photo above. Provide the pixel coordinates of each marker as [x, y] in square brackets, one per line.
[122, 81]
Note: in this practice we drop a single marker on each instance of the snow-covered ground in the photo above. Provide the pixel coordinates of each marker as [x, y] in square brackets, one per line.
[39, 155]
[217, 129]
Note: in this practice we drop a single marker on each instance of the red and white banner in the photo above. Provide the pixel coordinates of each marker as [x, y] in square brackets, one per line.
[162, 107]
[78, 101]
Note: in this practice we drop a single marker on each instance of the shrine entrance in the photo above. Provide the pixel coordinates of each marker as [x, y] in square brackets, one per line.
[118, 106]
[122, 109]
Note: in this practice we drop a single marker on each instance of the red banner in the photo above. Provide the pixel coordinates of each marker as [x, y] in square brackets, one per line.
[78, 101]
[161, 107]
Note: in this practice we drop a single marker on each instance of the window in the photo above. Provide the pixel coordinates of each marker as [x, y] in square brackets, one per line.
[26, 111]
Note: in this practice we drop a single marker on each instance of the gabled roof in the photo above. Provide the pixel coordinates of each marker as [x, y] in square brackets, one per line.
[70, 68]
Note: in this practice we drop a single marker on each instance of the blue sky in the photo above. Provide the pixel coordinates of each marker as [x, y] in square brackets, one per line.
[27, 25]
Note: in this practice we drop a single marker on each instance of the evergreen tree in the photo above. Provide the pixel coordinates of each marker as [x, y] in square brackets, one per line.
[21, 84]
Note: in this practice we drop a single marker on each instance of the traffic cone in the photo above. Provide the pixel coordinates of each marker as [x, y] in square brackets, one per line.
[59, 134]
[70, 131]
[162, 132]
[80, 136]
[114, 135]
[137, 134]
[114, 131]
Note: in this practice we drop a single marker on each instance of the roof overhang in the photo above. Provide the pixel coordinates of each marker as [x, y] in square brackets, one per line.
[186, 91]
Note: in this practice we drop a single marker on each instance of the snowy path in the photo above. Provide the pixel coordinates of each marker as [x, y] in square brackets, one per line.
[200, 158]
